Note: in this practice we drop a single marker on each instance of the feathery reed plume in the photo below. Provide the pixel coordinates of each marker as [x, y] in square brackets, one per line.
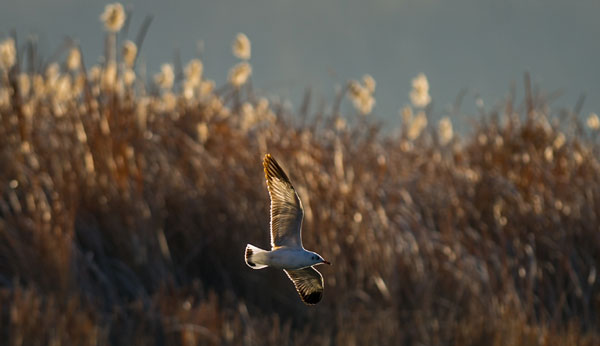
[207, 87]
[239, 74]
[365, 104]
[362, 95]
[593, 122]
[113, 17]
[128, 77]
[165, 78]
[74, 59]
[108, 77]
[129, 52]
[52, 74]
[559, 141]
[193, 72]
[445, 131]
[241, 47]
[193, 78]
[406, 114]
[549, 153]
[24, 84]
[419, 95]
[94, 73]
[369, 83]
[8, 53]
[202, 132]
[417, 125]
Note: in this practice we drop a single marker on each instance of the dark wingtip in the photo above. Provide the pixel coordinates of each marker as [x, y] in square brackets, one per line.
[274, 170]
[266, 161]
[313, 298]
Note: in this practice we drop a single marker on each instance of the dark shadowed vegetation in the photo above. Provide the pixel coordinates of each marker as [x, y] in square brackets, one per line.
[125, 208]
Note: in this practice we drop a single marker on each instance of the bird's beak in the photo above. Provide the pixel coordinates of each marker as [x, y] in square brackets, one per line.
[326, 262]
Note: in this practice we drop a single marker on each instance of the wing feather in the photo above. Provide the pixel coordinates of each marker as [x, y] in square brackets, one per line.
[286, 208]
[309, 284]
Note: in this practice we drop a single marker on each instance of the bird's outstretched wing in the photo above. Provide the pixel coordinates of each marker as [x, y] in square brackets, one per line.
[286, 208]
[309, 284]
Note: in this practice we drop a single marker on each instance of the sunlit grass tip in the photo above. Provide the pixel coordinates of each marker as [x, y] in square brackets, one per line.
[241, 47]
[113, 17]
[8, 53]
[239, 74]
[419, 95]
[593, 122]
[165, 78]
[445, 130]
[129, 53]
[74, 59]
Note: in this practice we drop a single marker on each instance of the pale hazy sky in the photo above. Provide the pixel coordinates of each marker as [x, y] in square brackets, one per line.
[481, 45]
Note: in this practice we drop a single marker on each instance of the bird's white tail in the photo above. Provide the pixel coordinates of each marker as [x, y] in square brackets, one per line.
[254, 256]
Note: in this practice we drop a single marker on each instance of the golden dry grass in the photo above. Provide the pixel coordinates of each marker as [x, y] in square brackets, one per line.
[125, 209]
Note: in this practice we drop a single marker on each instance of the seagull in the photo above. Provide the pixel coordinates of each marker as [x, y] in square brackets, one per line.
[287, 252]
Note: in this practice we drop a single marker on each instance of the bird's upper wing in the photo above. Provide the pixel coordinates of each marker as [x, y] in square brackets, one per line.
[286, 208]
[309, 284]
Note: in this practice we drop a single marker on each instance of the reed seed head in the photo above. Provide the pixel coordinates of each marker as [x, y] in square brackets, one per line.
[113, 17]
[239, 74]
[8, 53]
[241, 47]
[419, 95]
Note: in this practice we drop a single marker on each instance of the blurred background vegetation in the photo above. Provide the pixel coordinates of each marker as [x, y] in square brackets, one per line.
[481, 46]
[126, 202]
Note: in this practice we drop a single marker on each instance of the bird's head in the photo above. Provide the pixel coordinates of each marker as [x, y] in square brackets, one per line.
[317, 259]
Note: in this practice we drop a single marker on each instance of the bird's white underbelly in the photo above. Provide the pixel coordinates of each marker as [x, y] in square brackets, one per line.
[288, 258]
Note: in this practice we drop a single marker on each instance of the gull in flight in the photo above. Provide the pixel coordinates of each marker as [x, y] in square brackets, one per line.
[287, 252]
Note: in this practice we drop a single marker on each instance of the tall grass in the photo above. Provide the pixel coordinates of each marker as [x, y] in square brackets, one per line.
[125, 208]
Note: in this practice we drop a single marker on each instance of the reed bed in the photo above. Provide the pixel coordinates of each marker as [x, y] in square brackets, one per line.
[126, 204]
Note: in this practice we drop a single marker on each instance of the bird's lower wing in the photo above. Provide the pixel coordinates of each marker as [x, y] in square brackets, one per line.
[309, 284]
